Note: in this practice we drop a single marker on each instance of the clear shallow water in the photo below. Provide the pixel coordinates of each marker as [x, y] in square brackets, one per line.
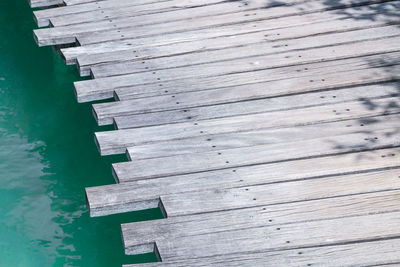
[47, 158]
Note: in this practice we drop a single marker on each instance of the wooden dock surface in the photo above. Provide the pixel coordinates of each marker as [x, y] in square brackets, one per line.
[267, 132]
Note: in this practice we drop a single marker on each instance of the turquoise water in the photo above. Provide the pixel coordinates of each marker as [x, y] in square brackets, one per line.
[47, 158]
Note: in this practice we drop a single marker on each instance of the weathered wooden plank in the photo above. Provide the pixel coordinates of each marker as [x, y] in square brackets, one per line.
[233, 88]
[214, 21]
[271, 238]
[180, 65]
[245, 156]
[123, 15]
[254, 63]
[106, 111]
[223, 141]
[137, 195]
[111, 29]
[80, 2]
[236, 198]
[101, 20]
[378, 253]
[43, 17]
[240, 86]
[111, 142]
[249, 73]
[183, 102]
[362, 93]
[241, 200]
[97, 14]
[145, 45]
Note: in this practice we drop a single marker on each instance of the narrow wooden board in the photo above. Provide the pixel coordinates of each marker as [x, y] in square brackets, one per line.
[271, 238]
[142, 194]
[126, 16]
[217, 21]
[226, 200]
[110, 29]
[43, 17]
[181, 65]
[209, 39]
[231, 140]
[362, 93]
[246, 74]
[114, 142]
[246, 156]
[237, 198]
[105, 112]
[242, 85]
[101, 21]
[380, 253]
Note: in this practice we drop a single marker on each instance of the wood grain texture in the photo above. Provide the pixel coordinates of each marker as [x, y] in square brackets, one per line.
[272, 238]
[265, 131]
[246, 156]
[110, 28]
[380, 253]
[218, 20]
[273, 210]
[211, 39]
[362, 93]
[111, 142]
[184, 62]
[283, 80]
[131, 196]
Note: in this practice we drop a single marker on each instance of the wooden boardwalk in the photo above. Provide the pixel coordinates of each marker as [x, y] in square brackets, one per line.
[267, 132]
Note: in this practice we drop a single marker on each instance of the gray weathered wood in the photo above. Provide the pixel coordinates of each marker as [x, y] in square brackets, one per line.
[234, 199]
[378, 253]
[146, 47]
[272, 238]
[216, 21]
[252, 64]
[126, 17]
[180, 65]
[43, 17]
[223, 141]
[111, 142]
[134, 195]
[245, 156]
[363, 93]
[110, 29]
[242, 85]
[267, 132]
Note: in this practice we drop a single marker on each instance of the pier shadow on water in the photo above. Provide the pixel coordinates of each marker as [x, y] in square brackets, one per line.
[47, 158]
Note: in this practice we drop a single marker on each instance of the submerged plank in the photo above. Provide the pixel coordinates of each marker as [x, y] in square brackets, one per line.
[137, 195]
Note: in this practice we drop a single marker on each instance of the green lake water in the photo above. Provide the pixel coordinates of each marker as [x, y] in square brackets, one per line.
[48, 157]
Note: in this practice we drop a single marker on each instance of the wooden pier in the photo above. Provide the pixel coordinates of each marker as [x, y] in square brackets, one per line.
[267, 132]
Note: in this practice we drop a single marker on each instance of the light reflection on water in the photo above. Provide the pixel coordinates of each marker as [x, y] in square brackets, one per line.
[47, 158]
